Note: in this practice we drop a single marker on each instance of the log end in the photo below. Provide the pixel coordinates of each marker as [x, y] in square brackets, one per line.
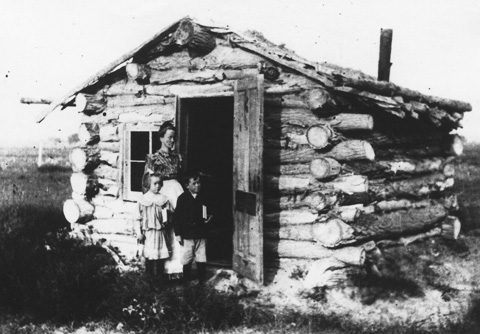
[369, 152]
[332, 232]
[456, 146]
[324, 167]
[318, 136]
[80, 102]
[451, 227]
[132, 71]
[76, 213]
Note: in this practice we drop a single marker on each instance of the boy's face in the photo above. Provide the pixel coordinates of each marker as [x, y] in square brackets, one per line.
[194, 185]
[155, 184]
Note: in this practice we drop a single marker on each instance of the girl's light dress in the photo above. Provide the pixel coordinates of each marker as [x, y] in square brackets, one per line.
[154, 226]
[168, 165]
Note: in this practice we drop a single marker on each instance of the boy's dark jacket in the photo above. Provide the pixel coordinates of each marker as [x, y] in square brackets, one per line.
[188, 219]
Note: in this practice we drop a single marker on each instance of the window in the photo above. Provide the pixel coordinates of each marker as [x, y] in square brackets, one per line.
[139, 140]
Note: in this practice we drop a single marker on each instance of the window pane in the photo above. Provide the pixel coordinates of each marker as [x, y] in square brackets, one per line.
[137, 169]
[139, 145]
[155, 142]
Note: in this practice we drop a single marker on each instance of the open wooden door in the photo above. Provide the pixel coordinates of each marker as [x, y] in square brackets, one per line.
[248, 178]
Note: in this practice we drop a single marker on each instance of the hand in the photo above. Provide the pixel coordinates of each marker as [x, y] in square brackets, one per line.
[179, 239]
[208, 219]
[140, 238]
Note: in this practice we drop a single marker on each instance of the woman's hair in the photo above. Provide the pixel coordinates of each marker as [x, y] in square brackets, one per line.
[164, 128]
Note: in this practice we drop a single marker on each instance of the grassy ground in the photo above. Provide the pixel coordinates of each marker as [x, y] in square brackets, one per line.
[50, 283]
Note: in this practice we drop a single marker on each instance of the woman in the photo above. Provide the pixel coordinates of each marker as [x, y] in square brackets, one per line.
[168, 163]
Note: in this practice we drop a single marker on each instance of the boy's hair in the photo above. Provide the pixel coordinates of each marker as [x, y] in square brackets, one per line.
[189, 175]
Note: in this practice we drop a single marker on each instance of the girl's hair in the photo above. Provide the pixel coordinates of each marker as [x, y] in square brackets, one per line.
[164, 128]
[156, 174]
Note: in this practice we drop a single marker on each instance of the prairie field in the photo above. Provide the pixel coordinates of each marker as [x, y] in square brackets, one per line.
[51, 283]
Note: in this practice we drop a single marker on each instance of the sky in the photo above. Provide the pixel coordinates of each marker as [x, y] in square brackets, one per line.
[50, 46]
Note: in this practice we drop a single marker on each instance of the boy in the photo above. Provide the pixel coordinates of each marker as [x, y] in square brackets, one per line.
[190, 223]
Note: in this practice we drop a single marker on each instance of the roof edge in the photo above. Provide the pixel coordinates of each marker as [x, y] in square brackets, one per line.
[100, 74]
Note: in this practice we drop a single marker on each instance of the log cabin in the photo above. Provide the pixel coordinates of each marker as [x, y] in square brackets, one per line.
[312, 164]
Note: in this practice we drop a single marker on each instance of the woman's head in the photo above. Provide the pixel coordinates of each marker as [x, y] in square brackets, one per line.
[166, 133]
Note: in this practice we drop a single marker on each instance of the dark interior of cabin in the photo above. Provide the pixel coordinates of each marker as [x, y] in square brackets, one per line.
[205, 130]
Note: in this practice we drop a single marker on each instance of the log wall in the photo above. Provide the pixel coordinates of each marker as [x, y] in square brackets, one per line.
[338, 178]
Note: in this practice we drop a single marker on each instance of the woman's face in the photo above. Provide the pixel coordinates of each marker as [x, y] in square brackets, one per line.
[168, 140]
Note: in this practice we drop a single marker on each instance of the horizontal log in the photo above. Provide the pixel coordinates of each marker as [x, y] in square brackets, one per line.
[350, 122]
[385, 137]
[319, 136]
[347, 213]
[79, 183]
[292, 169]
[33, 100]
[295, 217]
[385, 103]
[279, 117]
[78, 211]
[155, 77]
[299, 249]
[224, 88]
[145, 110]
[109, 133]
[318, 98]
[401, 153]
[111, 226]
[344, 151]
[116, 205]
[142, 99]
[326, 272]
[404, 241]
[295, 101]
[389, 88]
[85, 159]
[324, 168]
[102, 212]
[90, 104]
[109, 146]
[315, 200]
[390, 169]
[109, 190]
[451, 227]
[107, 172]
[89, 133]
[410, 188]
[329, 233]
[286, 184]
[78, 197]
[88, 158]
[393, 205]
[397, 223]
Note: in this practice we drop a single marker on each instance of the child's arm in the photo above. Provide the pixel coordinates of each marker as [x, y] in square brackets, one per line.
[178, 221]
[138, 225]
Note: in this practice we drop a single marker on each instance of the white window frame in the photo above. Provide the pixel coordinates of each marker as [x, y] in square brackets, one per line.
[127, 194]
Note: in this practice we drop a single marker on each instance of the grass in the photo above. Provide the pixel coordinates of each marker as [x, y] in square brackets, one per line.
[49, 281]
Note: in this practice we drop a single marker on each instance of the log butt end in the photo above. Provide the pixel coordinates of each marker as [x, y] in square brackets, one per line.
[369, 152]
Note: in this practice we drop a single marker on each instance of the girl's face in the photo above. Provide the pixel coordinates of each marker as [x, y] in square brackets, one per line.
[168, 140]
[155, 184]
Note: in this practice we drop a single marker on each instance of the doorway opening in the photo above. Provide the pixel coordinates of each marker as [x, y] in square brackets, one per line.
[205, 130]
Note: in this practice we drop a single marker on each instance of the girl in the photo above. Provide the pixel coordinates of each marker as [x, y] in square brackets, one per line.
[154, 215]
[167, 163]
